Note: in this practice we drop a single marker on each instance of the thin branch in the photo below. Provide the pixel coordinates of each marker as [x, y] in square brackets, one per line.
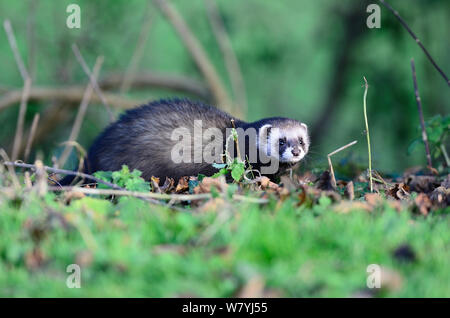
[366, 87]
[197, 52]
[12, 42]
[62, 171]
[405, 25]
[80, 115]
[152, 195]
[25, 92]
[422, 121]
[31, 136]
[342, 148]
[231, 61]
[333, 178]
[93, 80]
[146, 80]
[68, 95]
[21, 119]
[138, 51]
[11, 171]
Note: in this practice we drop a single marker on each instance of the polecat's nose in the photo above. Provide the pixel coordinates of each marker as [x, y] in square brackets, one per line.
[295, 152]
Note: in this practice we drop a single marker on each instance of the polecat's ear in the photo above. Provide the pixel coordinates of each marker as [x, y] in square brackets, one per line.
[304, 126]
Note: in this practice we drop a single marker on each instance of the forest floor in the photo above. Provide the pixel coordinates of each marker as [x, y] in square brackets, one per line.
[299, 238]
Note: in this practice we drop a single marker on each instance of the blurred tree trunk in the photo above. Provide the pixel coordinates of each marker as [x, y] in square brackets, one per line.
[354, 26]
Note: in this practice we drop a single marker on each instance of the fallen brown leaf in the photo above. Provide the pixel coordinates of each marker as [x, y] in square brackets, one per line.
[168, 185]
[423, 203]
[155, 184]
[208, 182]
[373, 199]
[399, 191]
[350, 191]
[440, 196]
[183, 185]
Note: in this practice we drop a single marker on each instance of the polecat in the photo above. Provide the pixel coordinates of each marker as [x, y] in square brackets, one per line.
[179, 137]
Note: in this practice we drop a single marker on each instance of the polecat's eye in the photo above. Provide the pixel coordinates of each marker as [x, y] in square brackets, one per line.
[300, 140]
[282, 141]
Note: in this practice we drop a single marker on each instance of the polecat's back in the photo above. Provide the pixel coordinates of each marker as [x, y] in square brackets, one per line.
[142, 138]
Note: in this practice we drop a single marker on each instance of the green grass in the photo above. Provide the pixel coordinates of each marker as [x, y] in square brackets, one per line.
[139, 250]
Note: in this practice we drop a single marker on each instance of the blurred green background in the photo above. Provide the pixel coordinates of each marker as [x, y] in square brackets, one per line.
[299, 59]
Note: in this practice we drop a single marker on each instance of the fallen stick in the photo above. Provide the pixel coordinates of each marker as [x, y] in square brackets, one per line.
[62, 171]
[152, 195]
[333, 179]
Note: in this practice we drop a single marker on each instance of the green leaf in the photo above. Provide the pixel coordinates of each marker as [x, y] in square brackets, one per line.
[221, 172]
[237, 171]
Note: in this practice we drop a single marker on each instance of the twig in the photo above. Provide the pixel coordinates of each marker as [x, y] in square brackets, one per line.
[152, 195]
[31, 136]
[405, 25]
[138, 51]
[231, 61]
[333, 179]
[80, 115]
[146, 80]
[21, 119]
[366, 87]
[40, 185]
[11, 171]
[68, 94]
[116, 190]
[25, 92]
[342, 148]
[197, 52]
[422, 121]
[13, 44]
[62, 171]
[92, 79]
